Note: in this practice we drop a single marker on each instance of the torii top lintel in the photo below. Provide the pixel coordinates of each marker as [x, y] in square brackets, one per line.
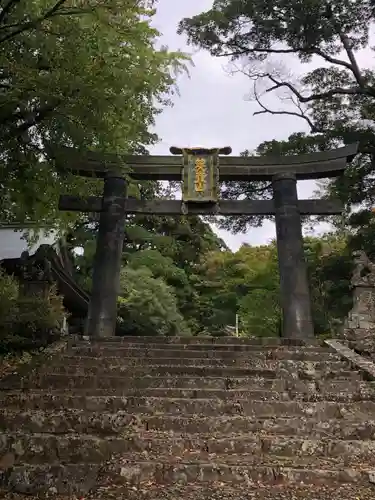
[232, 168]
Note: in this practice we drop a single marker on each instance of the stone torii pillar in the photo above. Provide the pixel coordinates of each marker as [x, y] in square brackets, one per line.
[294, 284]
[102, 314]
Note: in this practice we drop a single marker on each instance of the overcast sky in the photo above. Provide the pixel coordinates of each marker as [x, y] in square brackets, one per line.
[212, 109]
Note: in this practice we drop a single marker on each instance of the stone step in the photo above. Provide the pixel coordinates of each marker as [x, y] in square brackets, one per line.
[250, 448]
[207, 407]
[338, 428]
[50, 480]
[170, 472]
[41, 400]
[104, 423]
[192, 457]
[250, 362]
[71, 479]
[329, 372]
[52, 381]
[208, 340]
[142, 407]
[250, 491]
[204, 350]
[241, 471]
[139, 371]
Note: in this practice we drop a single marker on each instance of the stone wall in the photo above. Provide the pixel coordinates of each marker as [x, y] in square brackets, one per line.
[359, 328]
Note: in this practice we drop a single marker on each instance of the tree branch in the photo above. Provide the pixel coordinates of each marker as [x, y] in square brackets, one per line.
[351, 66]
[333, 60]
[303, 50]
[262, 189]
[246, 50]
[320, 95]
[265, 110]
[354, 65]
[38, 115]
[7, 8]
[33, 24]
[34, 118]
[347, 46]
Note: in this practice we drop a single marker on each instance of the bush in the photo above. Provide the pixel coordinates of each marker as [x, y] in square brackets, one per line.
[147, 305]
[27, 322]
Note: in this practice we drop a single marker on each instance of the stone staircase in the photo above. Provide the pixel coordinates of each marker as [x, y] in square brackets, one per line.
[189, 418]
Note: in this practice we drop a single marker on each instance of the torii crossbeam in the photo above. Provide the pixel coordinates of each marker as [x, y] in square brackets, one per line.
[201, 170]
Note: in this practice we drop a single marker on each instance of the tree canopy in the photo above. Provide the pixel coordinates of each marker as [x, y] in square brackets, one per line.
[334, 96]
[147, 305]
[79, 73]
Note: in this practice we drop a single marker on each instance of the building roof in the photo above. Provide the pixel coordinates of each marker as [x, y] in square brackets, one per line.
[13, 240]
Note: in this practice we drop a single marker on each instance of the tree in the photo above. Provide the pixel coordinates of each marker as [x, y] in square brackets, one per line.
[330, 268]
[147, 305]
[166, 269]
[335, 99]
[77, 73]
[244, 283]
[251, 31]
[169, 247]
[247, 283]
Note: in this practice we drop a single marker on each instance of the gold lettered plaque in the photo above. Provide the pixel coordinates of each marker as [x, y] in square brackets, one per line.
[200, 173]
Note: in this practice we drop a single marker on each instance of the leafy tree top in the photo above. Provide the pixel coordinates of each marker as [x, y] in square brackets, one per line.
[250, 31]
[78, 73]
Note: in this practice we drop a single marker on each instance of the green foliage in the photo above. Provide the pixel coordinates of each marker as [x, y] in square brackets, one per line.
[163, 294]
[27, 322]
[247, 283]
[169, 247]
[232, 283]
[160, 266]
[253, 28]
[260, 313]
[363, 232]
[165, 268]
[330, 267]
[77, 73]
[147, 305]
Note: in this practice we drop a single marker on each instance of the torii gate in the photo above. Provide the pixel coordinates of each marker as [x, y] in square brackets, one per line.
[201, 170]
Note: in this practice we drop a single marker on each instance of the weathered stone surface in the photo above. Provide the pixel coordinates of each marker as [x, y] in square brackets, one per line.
[51, 381]
[301, 426]
[185, 413]
[224, 351]
[167, 473]
[197, 473]
[155, 370]
[187, 406]
[335, 363]
[207, 340]
[255, 449]
[356, 360]
[294, 370]
[66, 421]
[249, 491]
[50, 479]
[362, 314]
[361, 340]
[122, 386]
[81, 399]
[359, 328]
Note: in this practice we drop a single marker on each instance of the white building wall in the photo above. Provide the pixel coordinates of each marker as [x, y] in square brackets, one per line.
[13, 242]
